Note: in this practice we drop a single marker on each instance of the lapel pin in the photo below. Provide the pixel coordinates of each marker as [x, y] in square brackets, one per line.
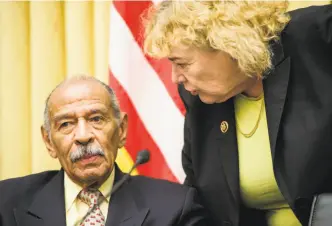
[224, 126]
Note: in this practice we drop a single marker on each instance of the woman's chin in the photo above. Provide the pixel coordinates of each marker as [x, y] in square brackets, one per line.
[211, 99]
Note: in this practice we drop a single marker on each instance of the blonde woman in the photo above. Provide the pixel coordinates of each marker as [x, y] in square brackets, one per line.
[257, 85]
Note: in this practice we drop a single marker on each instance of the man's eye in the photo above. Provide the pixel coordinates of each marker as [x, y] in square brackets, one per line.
[96, 119]
[64, 124]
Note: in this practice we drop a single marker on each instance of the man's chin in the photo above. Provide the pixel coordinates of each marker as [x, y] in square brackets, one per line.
[91, 175]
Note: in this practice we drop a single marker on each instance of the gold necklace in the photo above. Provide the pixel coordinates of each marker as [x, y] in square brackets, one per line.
[252, 132]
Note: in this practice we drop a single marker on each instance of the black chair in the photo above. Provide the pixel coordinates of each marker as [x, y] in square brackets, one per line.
[321, 210]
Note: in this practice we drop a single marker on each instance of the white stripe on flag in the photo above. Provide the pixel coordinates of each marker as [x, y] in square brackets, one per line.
[155, 2]
[160, 116]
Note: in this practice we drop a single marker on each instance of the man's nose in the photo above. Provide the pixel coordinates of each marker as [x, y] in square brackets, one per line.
[83, 134]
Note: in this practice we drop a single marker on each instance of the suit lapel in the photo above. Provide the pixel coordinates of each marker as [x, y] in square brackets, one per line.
[227, 145]
[123, 209]
[47, 206]
[275, 91]
[220, 152]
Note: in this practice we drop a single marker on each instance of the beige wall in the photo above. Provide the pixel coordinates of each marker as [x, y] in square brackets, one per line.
[41, 43]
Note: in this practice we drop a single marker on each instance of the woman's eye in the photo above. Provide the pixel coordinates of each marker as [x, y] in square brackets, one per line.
[182, 65]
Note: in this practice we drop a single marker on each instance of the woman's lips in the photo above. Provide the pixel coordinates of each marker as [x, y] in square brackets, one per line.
[194, 92]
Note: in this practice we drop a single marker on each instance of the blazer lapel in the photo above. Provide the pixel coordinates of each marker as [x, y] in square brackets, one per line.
[123, 209]
[216, 126]
[24, 218]
[225, 137]
[275, 91]
[47, 207]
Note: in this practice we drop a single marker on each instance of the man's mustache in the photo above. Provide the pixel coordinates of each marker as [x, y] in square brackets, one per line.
[85, 150]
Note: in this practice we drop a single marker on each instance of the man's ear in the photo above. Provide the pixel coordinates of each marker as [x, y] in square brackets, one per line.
[48, 143]
[123, 127]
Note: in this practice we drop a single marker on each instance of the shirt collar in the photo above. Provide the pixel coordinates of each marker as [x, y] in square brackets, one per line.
[72, 189]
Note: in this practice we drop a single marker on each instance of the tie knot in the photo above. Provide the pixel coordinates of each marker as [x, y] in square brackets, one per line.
[89, 196]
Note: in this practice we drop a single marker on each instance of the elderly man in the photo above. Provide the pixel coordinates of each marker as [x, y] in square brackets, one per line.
[84, 128]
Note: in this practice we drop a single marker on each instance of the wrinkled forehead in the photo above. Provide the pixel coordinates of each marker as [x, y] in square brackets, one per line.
[78, 94]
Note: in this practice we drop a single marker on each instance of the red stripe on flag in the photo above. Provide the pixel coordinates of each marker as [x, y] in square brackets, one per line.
[138, 138]
[131, 12]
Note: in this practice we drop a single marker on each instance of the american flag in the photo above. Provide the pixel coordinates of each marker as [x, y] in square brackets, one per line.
[145, 91]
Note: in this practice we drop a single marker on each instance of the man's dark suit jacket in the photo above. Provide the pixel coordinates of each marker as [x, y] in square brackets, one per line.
[298, 98]
[38, 200]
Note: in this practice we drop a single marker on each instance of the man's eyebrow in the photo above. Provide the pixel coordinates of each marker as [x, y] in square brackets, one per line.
[99, 110]
[90, 111]
[62, 116]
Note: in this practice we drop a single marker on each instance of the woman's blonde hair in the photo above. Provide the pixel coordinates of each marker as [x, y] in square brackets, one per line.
[241, 28]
